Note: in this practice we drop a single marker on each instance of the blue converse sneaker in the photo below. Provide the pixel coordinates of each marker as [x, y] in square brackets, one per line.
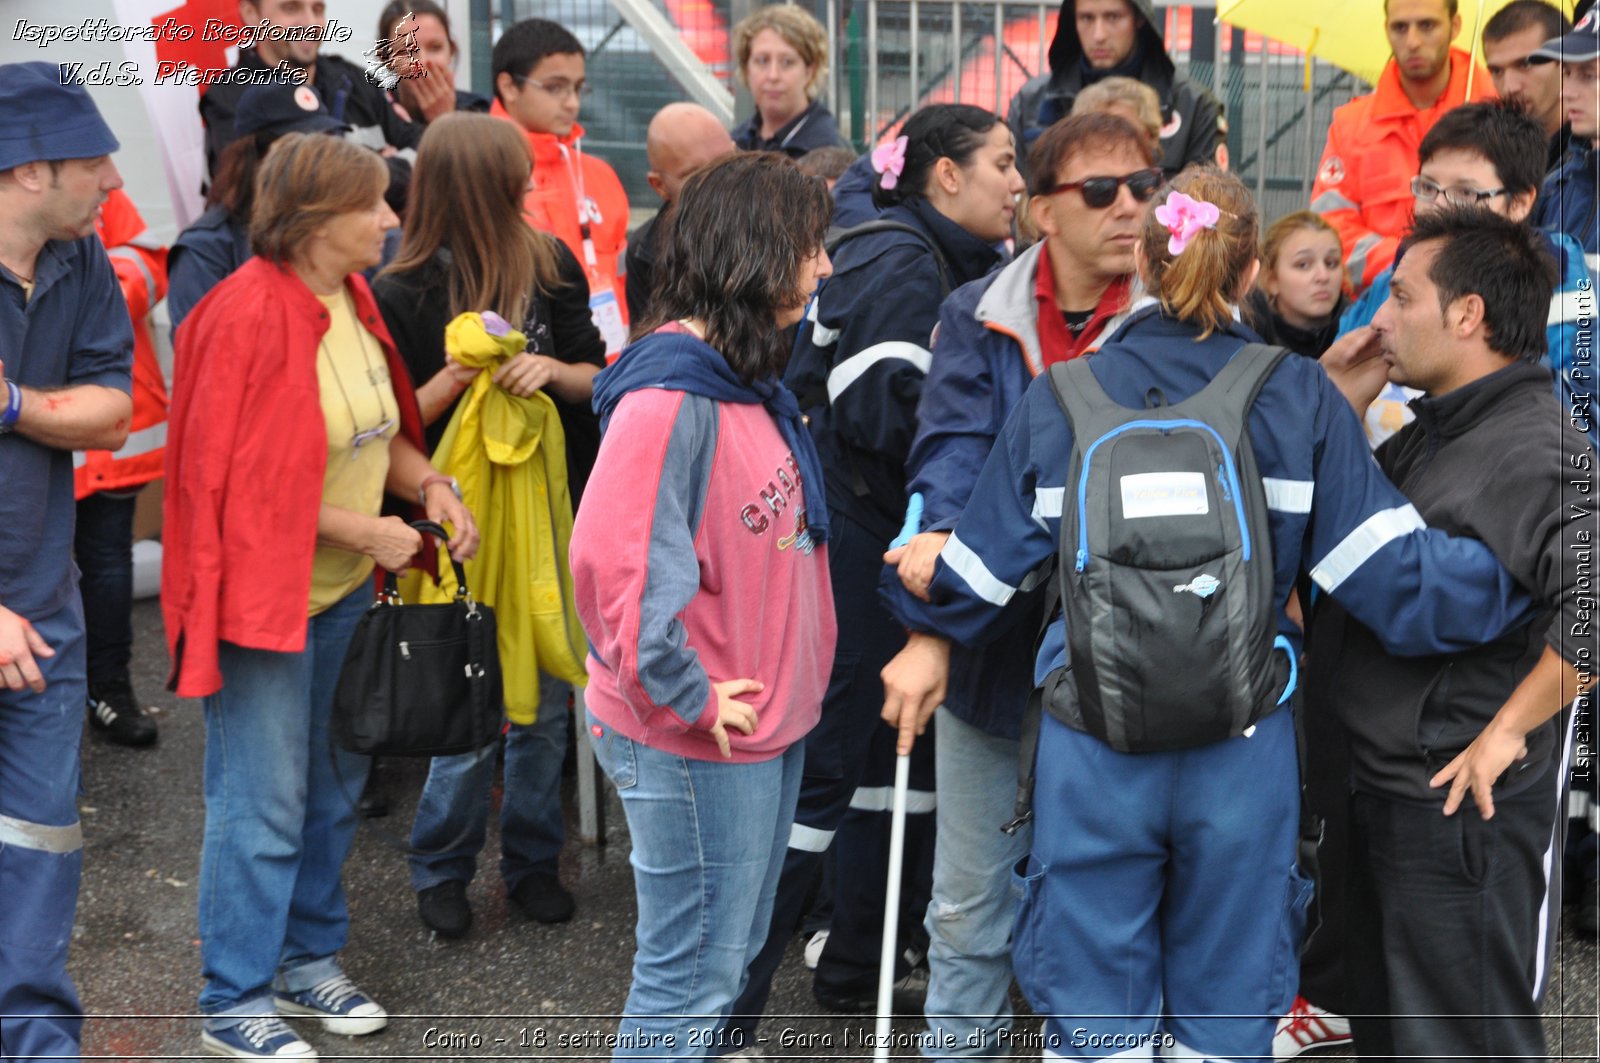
[342, 1007]
[259, 1037]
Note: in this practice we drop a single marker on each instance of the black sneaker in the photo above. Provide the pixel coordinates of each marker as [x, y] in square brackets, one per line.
[543, 899]
[909, 993]
[444, 908]
[113, 710]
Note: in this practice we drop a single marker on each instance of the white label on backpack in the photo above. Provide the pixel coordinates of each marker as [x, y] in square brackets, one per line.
[1164, 494]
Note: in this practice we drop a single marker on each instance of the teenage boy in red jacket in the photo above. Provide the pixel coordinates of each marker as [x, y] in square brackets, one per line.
[539, 84]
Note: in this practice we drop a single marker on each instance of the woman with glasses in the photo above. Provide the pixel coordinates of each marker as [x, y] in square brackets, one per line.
[278, 464]
[947, 190]
[467, 249]
[782, 54]
[701, 563]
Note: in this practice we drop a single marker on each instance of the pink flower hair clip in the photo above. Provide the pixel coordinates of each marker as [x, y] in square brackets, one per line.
[1184, 218]
[889, 160]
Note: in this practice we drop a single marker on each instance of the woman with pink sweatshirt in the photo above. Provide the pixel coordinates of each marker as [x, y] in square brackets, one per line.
[701, 571]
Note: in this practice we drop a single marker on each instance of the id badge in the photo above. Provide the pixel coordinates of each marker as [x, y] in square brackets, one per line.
[607, 314]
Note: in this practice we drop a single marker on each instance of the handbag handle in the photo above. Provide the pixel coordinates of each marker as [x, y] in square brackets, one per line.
[391, 582]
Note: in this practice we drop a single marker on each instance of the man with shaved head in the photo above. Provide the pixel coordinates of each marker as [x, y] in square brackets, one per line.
[681, 139]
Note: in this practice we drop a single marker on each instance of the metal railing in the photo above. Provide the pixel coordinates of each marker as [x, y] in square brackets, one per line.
[890, 57]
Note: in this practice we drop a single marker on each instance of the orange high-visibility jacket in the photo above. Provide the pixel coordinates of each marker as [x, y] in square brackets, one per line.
[1363, 185]
[570, 190]
[141, 266]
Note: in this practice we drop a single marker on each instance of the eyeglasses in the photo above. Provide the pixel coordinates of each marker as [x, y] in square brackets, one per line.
[1457, 196]
[1100, 192]
[561, 90]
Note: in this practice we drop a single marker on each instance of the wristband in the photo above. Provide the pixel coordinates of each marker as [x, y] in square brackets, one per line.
[437, 478]
[8, 419]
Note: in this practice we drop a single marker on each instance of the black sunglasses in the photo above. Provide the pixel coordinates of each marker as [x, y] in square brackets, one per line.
[1100, 192]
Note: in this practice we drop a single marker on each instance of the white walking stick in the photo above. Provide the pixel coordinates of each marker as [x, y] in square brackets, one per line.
[891, 907]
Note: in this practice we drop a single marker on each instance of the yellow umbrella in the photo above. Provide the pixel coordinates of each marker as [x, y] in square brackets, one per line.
[1347, 33]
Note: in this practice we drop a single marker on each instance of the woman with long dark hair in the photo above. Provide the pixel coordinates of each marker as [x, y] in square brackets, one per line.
[701, 567]
[467, 248]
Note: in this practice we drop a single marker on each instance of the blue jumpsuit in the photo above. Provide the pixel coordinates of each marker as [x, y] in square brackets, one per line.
[1162, 910]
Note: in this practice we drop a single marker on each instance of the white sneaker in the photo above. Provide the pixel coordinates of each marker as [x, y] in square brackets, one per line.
[1306, 1027]
[814, 949]
[342, 1007]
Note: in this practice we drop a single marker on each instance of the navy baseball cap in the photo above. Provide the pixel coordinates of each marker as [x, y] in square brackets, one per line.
[1579, 46]
[44, 120]
[283, 107]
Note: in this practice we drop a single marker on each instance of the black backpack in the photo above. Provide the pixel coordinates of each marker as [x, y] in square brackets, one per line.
[1165, 567]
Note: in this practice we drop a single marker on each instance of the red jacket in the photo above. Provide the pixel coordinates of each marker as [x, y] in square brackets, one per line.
[565, 178]
[141, 266]
[245, 460]
[1363, 185]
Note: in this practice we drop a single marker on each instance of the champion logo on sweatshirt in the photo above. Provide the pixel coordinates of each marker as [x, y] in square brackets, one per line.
[774, 498]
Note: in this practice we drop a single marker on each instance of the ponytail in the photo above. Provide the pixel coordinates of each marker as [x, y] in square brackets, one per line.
[1198, 270]
[953, 131]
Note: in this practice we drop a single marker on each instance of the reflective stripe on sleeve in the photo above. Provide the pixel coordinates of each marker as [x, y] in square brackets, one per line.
[1373, 534]
[1331, 200]
[1356, 264]
[1047, 502]
[851, 369]
[1289, 496]
[970, 567]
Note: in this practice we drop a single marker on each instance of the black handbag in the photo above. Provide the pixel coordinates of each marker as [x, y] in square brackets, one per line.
[420, 680]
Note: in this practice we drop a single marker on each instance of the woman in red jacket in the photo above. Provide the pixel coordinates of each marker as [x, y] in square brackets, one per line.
[292, 415]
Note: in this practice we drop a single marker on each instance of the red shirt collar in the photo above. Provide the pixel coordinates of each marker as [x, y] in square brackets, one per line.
[1056, 341]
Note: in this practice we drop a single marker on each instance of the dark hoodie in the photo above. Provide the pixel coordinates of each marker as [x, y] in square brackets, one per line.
[1258, 313]
[1188, 112]
[1493, 460]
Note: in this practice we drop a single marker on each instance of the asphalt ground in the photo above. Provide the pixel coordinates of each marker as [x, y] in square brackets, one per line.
[512, 989]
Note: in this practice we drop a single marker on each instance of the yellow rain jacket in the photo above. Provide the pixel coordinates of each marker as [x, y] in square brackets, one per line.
[510, 457]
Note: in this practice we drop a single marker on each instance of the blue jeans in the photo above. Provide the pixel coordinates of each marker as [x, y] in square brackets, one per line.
[280, 819]
[453, 813]
[708, 844]
[41, 847]
[973, 906]
[103, 545]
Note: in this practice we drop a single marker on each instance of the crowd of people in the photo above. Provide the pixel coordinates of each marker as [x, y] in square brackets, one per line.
[1202, 569]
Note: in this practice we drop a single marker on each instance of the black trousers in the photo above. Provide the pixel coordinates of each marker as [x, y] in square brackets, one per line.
[1442, 926]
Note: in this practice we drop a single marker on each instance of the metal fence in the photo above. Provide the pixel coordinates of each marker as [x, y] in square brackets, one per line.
[891, 56]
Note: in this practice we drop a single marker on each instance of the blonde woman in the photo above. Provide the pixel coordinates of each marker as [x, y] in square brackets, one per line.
[782, 55]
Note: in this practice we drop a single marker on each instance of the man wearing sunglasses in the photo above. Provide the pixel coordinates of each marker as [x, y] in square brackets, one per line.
[1091, 179]
[1509, 40]
[1361, 184]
